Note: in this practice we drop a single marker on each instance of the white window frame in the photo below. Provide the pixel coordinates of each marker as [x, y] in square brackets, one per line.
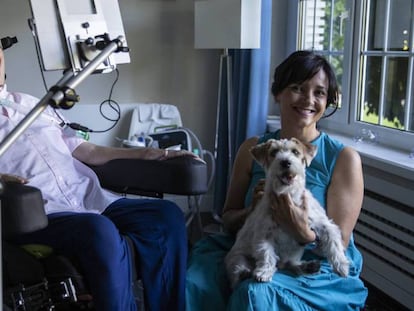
[344, 121]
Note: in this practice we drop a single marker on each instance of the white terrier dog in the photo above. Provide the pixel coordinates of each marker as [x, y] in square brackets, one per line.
[262, 246]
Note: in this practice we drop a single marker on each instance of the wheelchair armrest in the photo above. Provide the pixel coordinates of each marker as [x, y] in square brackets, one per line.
[22, 209]
[182, 175]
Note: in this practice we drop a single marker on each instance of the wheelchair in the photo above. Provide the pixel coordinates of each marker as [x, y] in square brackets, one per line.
[35, 278]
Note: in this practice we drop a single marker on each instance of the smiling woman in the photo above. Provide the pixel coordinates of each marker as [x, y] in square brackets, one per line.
[304, 84]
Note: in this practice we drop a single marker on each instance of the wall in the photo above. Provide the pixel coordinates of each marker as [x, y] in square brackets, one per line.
[164, 65]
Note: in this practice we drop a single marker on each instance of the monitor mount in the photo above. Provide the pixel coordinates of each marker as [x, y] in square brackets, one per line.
[62, 94]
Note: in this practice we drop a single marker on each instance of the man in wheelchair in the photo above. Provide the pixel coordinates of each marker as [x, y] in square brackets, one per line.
[88, 223]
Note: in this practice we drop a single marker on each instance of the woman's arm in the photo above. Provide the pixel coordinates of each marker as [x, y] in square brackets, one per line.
[96, 155]
[294, 219]
[346, 191]
[234, 213]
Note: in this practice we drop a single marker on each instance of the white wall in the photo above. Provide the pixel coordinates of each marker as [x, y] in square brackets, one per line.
[164, 66]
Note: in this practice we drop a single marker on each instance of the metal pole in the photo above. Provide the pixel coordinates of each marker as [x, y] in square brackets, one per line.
[225, 66]
[220, 85]
[57, 96]
[229, 117]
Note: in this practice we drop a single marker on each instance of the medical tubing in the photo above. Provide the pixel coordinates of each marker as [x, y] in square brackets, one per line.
[202, 153]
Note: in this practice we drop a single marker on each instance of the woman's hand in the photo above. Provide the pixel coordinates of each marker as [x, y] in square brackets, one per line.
[292, 218]
[258, 192]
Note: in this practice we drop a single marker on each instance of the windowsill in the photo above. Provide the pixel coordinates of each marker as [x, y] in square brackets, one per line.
[394, 161]
[385, 158]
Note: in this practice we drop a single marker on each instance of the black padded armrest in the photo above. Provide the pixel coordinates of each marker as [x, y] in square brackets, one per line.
[22, 209]
[182, 175]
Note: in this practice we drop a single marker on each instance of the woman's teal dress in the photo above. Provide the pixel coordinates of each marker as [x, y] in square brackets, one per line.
[207, 285]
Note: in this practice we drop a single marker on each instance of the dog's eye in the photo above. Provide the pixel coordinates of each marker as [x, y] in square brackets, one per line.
[295, 152]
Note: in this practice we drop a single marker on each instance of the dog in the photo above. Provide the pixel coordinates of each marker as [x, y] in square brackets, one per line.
[262, 246]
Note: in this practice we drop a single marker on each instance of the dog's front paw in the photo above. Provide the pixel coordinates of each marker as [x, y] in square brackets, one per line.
[341, 266]
[238, 274]
[343, 270]
[264, 274]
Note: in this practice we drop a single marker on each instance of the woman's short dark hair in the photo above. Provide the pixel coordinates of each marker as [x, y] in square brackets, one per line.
[301, 66]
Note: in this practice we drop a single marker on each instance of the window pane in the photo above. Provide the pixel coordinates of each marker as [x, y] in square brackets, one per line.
[314, 24]
[395, 92]
[376, 28]
[324, 25]
[337, 63]
[386, 82]
[339, 24]
[395, 28]
[371, 93]
[400, 25]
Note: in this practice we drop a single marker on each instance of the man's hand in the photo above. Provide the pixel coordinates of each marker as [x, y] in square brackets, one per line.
[164, 154]
[13, 178]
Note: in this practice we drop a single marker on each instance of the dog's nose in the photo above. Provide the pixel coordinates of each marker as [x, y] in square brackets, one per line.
[285, 163]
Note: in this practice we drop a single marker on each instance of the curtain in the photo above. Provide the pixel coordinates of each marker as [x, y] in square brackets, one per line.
[250, 90]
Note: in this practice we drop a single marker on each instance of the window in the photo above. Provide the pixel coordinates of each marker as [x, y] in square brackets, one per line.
[370, 45]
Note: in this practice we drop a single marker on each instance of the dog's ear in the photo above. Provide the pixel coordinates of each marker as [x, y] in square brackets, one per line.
[260, 152]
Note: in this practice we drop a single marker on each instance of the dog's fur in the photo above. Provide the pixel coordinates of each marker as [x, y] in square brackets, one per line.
[262, 246]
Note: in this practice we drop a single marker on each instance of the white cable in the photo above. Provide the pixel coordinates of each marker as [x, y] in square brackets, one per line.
[202, 153]
[212, 168]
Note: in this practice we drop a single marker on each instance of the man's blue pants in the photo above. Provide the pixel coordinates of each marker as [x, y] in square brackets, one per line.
[157, 230]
